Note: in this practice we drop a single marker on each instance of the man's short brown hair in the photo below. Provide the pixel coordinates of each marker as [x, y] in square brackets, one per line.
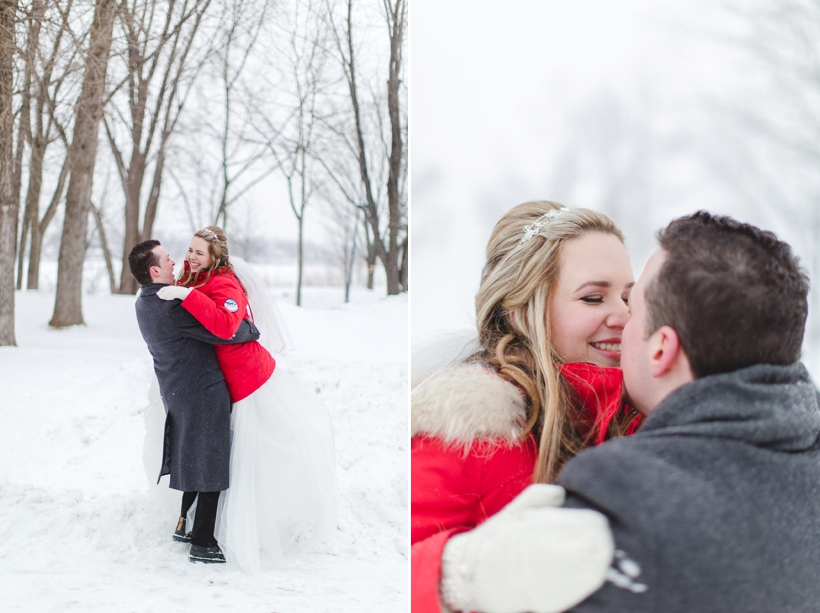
[735, 294]
[140, 260]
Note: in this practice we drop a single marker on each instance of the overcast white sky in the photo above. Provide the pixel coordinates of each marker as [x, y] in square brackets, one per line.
[607, 105]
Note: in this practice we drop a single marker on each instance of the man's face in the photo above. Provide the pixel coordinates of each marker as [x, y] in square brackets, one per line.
[636, 350]
[164, 273]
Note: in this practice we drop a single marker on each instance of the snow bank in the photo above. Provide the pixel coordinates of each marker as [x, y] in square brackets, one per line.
[78, 530]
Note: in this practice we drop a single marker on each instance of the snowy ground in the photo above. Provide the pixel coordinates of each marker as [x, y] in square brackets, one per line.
[78, 530]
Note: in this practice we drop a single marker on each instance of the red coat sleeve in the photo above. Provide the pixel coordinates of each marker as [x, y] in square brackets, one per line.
[425, 571]
[223, 311]
[453, 493]
[452, 489]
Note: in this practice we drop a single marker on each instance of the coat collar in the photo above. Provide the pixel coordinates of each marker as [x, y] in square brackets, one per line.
[150, 289]
[201, 278]
[468, 402]
[766, 405]
[600, 390]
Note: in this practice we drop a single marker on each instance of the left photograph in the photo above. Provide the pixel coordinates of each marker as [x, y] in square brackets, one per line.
[204, 305]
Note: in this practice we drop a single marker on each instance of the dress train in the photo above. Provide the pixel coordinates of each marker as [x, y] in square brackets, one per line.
[283, 484]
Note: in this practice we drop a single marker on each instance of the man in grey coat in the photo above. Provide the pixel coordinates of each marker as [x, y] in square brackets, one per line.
[196, 451]
[714, 505]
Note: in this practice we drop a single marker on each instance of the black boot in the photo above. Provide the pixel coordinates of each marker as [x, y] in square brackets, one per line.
[179, 534]
[206, 555]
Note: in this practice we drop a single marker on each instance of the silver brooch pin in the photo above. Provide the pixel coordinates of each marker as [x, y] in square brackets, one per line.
[535, 227]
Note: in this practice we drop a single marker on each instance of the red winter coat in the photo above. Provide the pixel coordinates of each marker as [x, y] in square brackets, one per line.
[220, 306]
[468, 460]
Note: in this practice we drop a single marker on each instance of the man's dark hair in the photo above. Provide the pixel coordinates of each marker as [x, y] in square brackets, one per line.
[141, 259]
[735, 294]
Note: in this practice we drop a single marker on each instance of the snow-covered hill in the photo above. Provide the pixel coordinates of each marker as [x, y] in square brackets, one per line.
[78, 529]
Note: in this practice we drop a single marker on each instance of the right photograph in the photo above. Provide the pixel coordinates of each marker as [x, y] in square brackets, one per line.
[613, 342]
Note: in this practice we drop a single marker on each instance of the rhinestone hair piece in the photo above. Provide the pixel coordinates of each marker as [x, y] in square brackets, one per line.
[211, 234]
[535, 227]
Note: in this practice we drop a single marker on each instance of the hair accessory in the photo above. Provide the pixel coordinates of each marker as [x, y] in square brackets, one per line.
[210, 233]
[535, 227]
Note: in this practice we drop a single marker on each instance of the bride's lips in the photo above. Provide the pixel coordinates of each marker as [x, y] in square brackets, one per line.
[610, 348]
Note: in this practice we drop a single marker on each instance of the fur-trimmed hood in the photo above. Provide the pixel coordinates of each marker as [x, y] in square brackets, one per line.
[466, 403]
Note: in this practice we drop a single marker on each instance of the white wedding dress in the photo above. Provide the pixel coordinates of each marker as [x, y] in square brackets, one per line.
[282, 467]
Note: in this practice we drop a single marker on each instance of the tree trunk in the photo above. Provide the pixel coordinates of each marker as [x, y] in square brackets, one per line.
[404, 269]
[38, 230]
[24, 130]
[112, 283]
[39, 137]
[371, 265]
[397, 20]
[300, 262]
[133, 187]
[21, 249]
[32, 211]
[388, 253]
[9, 207]
[153, 196]
[68, 305]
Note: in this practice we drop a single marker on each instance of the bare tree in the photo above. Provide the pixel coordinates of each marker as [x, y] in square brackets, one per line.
[395, 12]
[38, 228]
[47, 67]
[218, 164]
[295, 146]
[781, 37]
[779, 135]
[35, 20]
[9, 205]
[82, 158]
[159, 39]
[109, 265]
[387, 234]
[242, 21]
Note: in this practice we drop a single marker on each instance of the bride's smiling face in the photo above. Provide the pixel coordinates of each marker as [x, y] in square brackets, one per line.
[588, 307]
[199, 257]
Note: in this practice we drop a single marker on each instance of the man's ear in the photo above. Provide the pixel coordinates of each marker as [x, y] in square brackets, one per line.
[666, 350]
[154, 273]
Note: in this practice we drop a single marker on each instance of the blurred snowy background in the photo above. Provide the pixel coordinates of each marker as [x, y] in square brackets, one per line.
[643, 110]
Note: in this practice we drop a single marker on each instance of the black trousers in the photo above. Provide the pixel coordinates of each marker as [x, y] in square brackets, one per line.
[205, 518]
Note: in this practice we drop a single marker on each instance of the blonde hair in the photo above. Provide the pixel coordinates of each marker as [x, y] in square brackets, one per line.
[217, 249]
[513, 319]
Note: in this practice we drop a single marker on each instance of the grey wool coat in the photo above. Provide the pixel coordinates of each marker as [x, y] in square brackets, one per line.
[715, 503]
[197, 445]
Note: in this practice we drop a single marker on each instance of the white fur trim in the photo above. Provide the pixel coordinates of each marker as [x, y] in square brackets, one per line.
[466, 403]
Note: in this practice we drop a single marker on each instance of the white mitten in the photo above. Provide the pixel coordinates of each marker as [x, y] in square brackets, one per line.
[172, 292]
[531, 556]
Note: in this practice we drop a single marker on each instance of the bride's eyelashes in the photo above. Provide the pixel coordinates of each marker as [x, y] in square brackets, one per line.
[600, 299]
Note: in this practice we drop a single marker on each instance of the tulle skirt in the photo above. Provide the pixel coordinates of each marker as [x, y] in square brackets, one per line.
[282, 475]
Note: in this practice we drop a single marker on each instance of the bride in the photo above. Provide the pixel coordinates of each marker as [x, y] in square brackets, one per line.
[282, 467]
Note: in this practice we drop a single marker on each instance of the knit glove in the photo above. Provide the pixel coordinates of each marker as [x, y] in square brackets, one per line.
[531, 556]
[172, 292]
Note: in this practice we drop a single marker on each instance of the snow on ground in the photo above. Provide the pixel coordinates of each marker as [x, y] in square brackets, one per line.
[78, 529]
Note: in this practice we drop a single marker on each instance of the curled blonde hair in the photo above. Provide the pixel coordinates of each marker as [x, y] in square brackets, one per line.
[513, 320]
[217, 249]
